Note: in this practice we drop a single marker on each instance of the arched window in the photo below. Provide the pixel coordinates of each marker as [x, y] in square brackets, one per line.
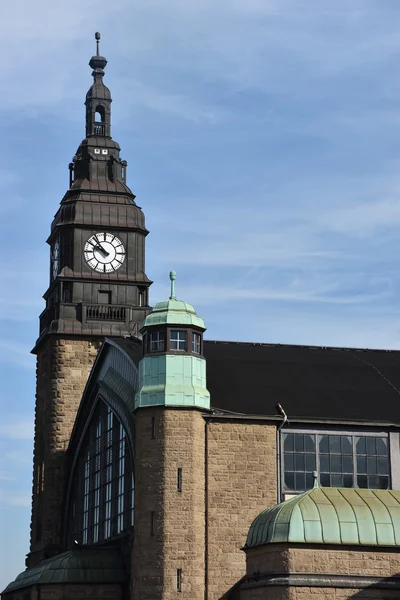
[100, 116]
[102, 499]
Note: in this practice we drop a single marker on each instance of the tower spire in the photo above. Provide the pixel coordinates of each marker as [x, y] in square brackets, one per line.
[98, 98]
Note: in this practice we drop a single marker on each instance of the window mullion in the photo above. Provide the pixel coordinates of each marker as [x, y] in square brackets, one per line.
[355, 482]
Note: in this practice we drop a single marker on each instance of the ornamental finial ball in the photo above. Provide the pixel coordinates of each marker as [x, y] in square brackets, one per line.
[172, 275]
[97, 35]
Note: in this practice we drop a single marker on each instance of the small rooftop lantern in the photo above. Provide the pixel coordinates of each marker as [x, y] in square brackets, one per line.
[172, 371]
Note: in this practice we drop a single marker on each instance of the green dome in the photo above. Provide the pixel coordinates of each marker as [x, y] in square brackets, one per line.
[83, 564]
[173, 311]
[331, 516]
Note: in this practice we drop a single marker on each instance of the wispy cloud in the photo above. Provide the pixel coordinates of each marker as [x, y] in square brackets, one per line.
[14, 500]
[21, 429]
[13, 353]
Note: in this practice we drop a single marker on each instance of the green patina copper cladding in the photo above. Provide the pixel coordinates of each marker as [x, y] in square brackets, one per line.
[173, 312]
[172, 380]
[80, 565]
[331, 516]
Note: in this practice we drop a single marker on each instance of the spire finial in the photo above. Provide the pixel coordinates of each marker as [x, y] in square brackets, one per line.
[172, 277]
[315, 477]
[97, 62]
[97, 38]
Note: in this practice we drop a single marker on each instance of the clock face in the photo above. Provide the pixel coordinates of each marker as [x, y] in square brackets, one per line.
[55, 259]
[104, 252]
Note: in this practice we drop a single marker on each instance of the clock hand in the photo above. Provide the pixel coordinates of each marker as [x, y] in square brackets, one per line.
[99, 247]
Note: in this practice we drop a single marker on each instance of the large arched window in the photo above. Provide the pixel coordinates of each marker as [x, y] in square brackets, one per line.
[102, 502]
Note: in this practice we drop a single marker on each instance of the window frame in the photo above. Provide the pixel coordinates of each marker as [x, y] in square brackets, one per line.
[160, 340]
[186, 340]
[354, 433]
[98, 518]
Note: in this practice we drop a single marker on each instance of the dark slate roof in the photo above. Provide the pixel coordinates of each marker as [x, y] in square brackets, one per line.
[309, 382]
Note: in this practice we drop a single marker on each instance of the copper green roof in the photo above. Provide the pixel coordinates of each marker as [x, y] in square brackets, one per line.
[80, 565]
[173, 311]
[331, 516]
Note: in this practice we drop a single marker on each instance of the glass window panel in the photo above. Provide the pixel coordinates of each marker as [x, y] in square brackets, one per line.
[324, 443]
[299, 442]
[336, 480]
[309, 481]
[383, 483]
[381, 447]
[347, 481]
[178, 340]
[347, 446]
[371, 445]
[299, 462]
[383, 466]
[373, 482]
[310, 462]
[347, 464]
[336, 463]
[324, 463]
[361, 447]
[157, 341]
[361, 464]
[309, 443]
[362, 481]
[371, 465]
[196, 343]
[300, 481]
[288, 442]
[325, 479]
[289, 462]
[334, 444]
[289, 481]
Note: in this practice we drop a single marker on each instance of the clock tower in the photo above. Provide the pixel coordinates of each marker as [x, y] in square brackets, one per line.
[98, 287]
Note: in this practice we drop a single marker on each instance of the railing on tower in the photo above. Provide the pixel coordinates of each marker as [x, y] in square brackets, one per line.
[99, 128]
[105, 312]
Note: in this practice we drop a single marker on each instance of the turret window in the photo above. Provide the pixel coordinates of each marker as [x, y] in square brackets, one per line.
[196, 343]
[157, 341]
[178, 340]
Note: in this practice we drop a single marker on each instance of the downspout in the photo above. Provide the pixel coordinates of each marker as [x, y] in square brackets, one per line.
[280, 410]
[206, 509]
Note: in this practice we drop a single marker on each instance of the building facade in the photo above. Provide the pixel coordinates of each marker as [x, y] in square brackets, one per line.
[169, 466]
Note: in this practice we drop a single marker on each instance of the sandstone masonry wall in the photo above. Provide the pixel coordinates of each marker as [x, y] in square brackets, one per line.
[337, 560]
[63, 368]
[241, 482]
[169, 524]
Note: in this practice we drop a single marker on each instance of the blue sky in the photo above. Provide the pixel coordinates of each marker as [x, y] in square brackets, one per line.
[263, 143]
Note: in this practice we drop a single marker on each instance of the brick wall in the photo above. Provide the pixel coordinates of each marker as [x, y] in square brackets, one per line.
[178, 535]
[241, 482]
[62, 372]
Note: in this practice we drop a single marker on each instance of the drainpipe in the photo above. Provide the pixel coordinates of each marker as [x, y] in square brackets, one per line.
[280, 410]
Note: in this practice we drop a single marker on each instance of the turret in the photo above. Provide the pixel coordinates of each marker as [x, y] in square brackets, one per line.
[173, 369]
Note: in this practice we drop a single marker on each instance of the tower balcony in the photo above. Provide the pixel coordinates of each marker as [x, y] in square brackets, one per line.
[99, 129]
[104, 312]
